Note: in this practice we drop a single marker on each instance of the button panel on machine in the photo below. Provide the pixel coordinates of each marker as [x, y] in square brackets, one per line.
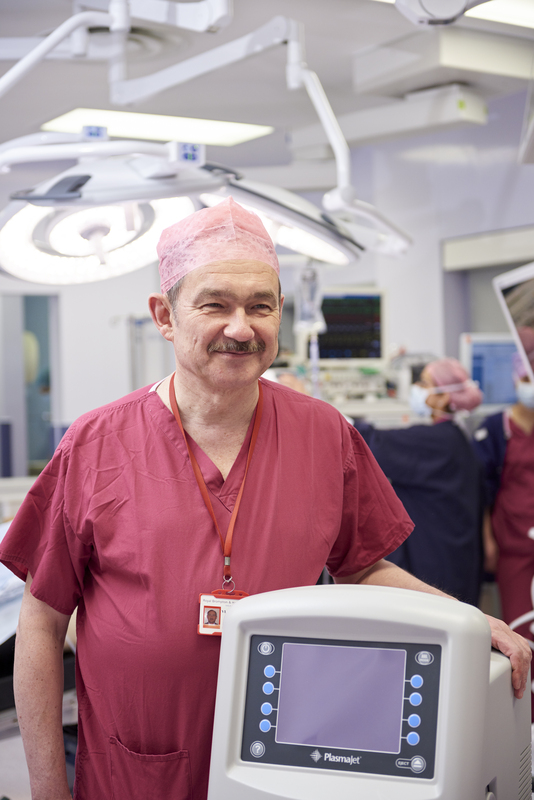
[368, 707]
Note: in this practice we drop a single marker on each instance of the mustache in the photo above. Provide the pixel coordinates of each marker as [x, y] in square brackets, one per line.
[233, 346]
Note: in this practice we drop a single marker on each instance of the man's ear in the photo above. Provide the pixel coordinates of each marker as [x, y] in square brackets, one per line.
[161, 313]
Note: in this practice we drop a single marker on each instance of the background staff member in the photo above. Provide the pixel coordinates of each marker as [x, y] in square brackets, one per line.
[504, 442]
[436, 475]
[117, 524]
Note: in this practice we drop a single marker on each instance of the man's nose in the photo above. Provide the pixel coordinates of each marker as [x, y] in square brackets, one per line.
[238, 326]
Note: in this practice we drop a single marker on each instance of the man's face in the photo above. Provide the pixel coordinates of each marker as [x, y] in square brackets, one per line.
[212, 617]
[225, 323]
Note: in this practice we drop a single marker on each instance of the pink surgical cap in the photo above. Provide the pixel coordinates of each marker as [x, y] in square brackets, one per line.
[448, 372]
[226, 232]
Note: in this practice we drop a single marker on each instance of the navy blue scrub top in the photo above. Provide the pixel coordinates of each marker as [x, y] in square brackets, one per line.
[436, 475]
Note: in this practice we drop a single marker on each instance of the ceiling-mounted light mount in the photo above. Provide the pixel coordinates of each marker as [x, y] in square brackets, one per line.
[435, 12]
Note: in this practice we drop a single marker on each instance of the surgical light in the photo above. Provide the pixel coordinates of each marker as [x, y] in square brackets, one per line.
[158, 127]
[302, 242]
[287, 235]
[66, 246]
[103, 217]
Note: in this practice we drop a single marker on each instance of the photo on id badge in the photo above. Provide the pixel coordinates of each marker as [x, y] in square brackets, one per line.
[213, 608]
[212, 616]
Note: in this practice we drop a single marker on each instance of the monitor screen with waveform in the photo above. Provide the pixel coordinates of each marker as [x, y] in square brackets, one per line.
[354, 326]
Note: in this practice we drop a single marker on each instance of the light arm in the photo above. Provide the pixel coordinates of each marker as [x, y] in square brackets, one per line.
[35, 56]
[342, 199]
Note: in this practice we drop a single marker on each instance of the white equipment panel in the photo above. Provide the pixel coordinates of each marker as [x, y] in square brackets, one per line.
[362, 691]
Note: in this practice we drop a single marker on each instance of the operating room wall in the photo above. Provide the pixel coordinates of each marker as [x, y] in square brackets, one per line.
[95, 360]
[12, 386]
[90, 348]
[440, 186]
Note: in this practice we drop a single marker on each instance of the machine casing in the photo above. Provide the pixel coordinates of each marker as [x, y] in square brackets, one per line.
[481, 746]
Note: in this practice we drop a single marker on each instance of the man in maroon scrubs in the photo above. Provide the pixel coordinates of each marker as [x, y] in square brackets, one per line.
[212, 480]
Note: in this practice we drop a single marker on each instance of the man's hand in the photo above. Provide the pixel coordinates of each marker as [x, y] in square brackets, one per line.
[516, 648]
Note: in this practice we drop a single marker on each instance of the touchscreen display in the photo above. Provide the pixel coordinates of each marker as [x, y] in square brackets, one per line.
[345, 697]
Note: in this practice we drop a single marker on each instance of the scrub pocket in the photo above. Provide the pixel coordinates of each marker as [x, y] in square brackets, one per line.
[137, 776]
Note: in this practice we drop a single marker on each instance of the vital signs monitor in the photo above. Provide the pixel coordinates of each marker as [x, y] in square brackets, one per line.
[365, 692]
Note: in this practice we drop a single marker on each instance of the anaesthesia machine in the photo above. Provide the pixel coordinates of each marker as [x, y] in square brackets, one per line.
[365, 692]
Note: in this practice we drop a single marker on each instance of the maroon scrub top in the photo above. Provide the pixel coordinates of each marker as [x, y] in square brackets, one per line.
[116, 525]
[513, 512]
[513, 525]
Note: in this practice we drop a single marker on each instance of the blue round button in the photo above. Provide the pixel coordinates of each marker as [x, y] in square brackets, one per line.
[415, 698]
[265, 726]
[412, 738]
[268, 688]
[267, 709]
[414, 720]
[270, 672]
[416, 681]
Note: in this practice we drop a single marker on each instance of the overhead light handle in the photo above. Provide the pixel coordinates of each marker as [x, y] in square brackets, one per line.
[65, 190]
[79, 150]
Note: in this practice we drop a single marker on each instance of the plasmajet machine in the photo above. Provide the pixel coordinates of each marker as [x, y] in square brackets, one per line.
[365, 692]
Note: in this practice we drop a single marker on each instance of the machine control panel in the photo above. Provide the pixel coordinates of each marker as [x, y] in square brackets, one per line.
[368, 707]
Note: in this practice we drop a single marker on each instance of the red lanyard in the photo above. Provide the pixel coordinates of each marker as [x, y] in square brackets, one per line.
[226, 544]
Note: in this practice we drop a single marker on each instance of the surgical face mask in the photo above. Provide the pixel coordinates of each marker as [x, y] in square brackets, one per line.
[525, 393]
[418, 397]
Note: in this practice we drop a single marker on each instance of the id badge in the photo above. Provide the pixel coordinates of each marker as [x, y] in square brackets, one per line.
[213, 608]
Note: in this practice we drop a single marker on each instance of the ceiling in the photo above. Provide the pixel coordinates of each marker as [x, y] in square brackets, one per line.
[252, 91]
